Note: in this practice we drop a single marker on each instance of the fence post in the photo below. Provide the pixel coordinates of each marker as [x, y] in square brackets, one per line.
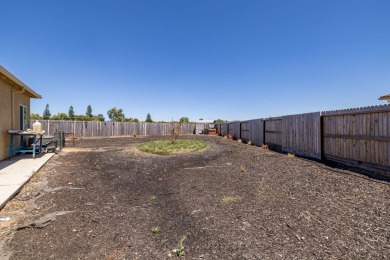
[321, 136]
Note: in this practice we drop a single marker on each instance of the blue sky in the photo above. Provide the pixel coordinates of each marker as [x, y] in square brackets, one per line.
[199, 58]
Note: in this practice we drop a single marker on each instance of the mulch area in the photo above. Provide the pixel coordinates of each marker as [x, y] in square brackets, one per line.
[231, 201]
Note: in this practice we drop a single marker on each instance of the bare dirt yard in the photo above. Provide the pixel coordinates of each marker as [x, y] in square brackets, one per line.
[103, 199]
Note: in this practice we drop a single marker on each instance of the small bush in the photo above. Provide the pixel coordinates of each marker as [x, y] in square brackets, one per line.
[156, 229]
[180, 247]
[229, 199]
[262, 195]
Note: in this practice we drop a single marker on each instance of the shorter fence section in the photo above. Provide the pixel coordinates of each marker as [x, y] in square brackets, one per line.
[106, 129]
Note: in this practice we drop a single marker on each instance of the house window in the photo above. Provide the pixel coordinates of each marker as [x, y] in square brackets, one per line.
[23, 117]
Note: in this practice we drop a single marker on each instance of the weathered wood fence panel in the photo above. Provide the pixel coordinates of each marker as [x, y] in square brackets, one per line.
[360, 136]
[273, 132]
[234, 129]
[185, 128]
[245, 131]
[224, 129]
[218, 128]
[301, 134]
[256, 131]
[105, 129]
[252, 131]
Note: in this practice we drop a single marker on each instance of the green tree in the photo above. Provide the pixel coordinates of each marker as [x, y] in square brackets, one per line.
[60, 116]
[149, 118]
[46, 113]
[116, 115]
[99, 117]
[131, 120]
[184, 120]
[34, 116]
[89, 111]
[71, 112]
[82, 118]
[219, 121]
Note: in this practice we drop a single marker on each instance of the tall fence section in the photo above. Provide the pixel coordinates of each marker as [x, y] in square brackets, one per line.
[359, 137]
[101, 129]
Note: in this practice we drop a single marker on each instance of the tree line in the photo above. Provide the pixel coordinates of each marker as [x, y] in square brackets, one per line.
[114, 114]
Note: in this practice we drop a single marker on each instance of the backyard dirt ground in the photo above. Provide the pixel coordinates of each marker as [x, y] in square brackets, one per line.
[230, 201]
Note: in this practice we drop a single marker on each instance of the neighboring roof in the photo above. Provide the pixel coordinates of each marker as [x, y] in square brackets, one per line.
[385, 97]
[15, 82]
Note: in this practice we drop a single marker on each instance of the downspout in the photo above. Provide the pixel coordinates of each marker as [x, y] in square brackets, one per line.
[13, 106]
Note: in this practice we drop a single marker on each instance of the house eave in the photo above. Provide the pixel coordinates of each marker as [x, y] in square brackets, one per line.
[16, 83]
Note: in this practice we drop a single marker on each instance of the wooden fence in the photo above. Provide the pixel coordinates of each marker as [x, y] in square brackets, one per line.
[273, 132]
[302, 134]
[224, 129]
[105, 129]
[252, 130]
[360, 137]
[234, 129]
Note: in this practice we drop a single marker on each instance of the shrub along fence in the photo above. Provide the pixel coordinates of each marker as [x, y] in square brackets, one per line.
[101, 129]
[359, 137]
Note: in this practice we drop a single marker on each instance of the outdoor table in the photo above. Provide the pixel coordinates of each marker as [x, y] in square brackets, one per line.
[21, 148]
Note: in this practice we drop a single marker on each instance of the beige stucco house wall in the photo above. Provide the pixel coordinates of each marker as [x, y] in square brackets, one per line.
[13, 94]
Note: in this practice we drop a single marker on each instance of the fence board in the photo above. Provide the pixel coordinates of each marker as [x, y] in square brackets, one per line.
[245, 131]
[218, 129]
[234, 129]
[252, 130]
[224, 129]
[360, 136]
[301, 134]
[273, 132]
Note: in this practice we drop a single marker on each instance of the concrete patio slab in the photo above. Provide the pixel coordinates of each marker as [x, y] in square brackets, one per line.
[16, 172]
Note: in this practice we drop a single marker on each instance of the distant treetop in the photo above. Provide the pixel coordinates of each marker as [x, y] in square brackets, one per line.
[46, 113]
[149, 118]
[89, 111]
